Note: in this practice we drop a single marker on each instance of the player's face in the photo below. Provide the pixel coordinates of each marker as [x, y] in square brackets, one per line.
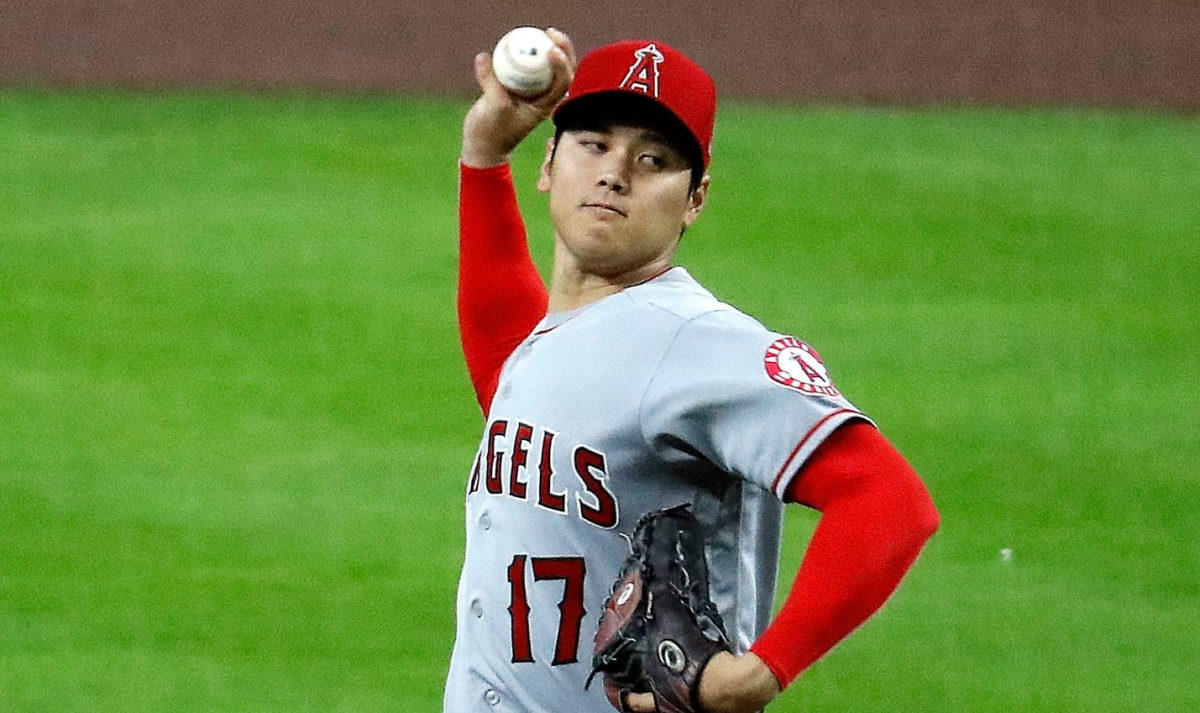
[619, 198]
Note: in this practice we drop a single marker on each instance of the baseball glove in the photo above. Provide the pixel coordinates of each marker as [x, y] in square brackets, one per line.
[659, 628]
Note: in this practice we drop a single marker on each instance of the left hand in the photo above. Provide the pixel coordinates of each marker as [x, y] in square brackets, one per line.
[729, 684]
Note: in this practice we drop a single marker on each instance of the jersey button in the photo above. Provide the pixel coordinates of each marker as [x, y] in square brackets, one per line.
[485, 521]
[477, 609]
[491, 697]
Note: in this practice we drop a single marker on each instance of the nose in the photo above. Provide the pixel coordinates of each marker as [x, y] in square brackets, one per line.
[613, 182]
[614, 174]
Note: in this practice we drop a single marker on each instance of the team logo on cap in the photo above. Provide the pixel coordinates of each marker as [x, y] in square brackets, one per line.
[794, 364]
[643, 73]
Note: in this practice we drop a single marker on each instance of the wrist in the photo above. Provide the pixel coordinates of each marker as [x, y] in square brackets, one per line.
[737, 684]
[473, 158]
[484, 144]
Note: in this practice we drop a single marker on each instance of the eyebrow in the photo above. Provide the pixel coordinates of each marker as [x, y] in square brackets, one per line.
[643, 134]
[656, 137]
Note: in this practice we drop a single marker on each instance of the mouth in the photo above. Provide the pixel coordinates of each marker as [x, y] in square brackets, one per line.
[606, 208]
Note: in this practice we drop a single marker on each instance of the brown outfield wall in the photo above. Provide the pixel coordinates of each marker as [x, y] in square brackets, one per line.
[1102, 52]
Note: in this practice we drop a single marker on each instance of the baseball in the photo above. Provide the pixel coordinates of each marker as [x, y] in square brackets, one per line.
[521, 61]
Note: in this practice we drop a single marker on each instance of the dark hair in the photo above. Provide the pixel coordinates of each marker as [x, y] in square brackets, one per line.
[604, 110]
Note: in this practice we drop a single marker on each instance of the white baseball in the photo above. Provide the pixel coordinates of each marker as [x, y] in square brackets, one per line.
[521, 61]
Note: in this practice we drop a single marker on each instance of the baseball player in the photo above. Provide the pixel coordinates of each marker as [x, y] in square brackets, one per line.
[627, 387]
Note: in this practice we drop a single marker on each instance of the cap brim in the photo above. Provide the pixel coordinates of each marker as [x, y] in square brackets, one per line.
[632, 108]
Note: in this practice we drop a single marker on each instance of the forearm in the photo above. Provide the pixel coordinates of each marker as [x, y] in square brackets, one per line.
[500, 294]
[876, 515]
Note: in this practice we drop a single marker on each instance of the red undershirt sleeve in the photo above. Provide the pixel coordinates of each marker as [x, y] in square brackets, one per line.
[501, 296]
[876, 515]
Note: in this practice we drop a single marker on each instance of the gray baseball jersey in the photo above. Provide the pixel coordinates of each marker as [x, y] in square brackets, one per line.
[655, 396]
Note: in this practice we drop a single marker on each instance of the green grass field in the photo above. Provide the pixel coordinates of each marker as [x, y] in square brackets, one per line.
[235, 427]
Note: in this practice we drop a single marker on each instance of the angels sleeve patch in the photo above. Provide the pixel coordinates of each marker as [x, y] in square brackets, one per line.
[794, 364]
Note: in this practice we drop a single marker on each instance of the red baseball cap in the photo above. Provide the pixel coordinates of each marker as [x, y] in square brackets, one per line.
[655, 70]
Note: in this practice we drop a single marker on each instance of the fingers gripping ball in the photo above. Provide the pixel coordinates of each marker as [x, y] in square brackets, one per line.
[521, 61]
[659, 629]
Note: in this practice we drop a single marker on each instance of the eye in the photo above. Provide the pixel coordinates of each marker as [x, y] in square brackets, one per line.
[651, 159]
[593, 145]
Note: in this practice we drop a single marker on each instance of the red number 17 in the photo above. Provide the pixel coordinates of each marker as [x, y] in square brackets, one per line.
[570, 610]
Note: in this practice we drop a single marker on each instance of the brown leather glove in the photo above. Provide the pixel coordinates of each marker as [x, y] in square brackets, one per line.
[659, 628]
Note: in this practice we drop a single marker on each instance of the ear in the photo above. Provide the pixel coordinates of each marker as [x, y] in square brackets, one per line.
[696, 202]
[543, 183]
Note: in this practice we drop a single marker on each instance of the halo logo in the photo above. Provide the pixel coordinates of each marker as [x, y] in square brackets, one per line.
[794, 364]
[643, 73]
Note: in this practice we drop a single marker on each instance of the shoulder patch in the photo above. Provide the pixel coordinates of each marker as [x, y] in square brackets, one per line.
[796, 365]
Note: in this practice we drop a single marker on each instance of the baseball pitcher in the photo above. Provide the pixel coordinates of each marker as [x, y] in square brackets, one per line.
[642, 438]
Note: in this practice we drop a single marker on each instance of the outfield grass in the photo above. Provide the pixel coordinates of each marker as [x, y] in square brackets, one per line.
[235, 427]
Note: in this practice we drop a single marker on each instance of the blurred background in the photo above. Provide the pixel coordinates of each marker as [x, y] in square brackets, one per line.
[1104, 52]
[235, 427]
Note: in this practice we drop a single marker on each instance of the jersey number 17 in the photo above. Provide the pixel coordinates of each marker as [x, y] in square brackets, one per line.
[570, 610]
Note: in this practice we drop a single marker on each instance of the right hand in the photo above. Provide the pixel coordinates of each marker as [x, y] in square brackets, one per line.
[728, 684]
[499, 119]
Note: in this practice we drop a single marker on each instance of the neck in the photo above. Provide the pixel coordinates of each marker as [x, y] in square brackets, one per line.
[572, 287]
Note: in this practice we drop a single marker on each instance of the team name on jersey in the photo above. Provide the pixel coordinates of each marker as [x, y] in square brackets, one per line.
[516, 460]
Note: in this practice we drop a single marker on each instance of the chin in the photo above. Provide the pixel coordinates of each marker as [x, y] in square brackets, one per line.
[597, 245]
